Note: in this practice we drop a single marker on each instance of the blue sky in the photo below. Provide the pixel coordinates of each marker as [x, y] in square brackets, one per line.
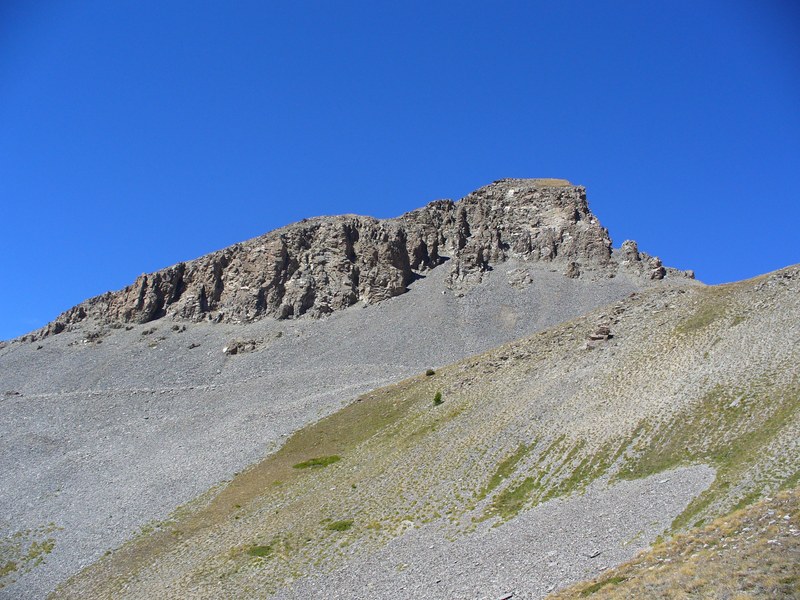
[134, 135]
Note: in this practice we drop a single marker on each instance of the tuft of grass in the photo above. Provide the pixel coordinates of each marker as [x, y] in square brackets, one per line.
[504, 470]
[318, 462]
[259, 551]
[339, 525]
[596, 587]
[437, 399]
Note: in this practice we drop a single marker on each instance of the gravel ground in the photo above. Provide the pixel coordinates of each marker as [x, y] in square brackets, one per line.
[98, 439]
[564, 541]
[703, 375]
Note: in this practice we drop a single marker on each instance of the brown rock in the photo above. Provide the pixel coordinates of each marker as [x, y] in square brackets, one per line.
[325, 264]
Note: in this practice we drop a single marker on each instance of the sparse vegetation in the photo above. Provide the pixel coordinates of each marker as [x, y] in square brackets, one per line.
[430, 373]
[260, 551]
[595, 587]
[750, 553]
[727, 428]
[517, 431]
[321, 461]
[504, 470]
[23, 551]
[339, 525]
[513, 499]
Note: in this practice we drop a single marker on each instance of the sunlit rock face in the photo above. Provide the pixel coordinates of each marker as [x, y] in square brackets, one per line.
[325, 264]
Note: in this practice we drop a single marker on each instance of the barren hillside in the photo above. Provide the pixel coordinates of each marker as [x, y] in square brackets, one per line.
[520, 470]
[478, 398]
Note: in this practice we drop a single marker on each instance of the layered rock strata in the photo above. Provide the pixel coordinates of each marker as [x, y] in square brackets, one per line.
[325, 264]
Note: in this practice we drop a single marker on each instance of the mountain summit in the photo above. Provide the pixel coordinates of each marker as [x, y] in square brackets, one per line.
[325, 264]
[492, 382]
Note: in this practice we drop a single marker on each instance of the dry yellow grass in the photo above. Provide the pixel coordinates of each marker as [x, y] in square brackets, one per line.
[752, 553]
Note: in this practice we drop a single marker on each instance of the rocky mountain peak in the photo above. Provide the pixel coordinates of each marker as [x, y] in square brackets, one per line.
[324, 264]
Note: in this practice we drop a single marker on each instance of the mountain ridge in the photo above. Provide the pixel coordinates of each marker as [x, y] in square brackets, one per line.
[567, 387]
[319, 265]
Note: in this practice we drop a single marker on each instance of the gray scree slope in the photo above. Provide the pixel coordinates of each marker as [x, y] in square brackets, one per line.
[106, 426]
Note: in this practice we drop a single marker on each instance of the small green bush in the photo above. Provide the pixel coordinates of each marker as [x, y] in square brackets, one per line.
[430, 373]
[437, 399]
[319, 462]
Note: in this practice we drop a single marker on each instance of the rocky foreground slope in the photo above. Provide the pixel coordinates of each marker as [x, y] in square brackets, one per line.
[752, 553]
[509, 474]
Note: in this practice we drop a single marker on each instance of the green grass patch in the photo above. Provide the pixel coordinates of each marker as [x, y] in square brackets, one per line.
[511, 500]
[259, 551]
[504, 470]
[339, 525]
[319, 462]
[437, 399]
[596, 587]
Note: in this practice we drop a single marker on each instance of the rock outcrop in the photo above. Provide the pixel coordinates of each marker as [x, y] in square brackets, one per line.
[325, 264]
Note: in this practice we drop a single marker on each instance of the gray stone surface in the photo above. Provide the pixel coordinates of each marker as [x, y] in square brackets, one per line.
[129, 405]
[107, 435]
[544, 549]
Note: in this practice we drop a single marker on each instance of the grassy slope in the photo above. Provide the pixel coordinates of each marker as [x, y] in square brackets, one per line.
[690, 376]
[753, 552]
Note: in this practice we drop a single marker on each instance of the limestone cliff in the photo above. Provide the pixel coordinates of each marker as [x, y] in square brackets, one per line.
[325, 264]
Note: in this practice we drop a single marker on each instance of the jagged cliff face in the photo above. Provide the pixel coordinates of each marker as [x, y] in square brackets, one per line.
[325, 264]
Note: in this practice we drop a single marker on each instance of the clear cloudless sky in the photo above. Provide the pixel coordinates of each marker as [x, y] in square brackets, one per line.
[137, 134]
